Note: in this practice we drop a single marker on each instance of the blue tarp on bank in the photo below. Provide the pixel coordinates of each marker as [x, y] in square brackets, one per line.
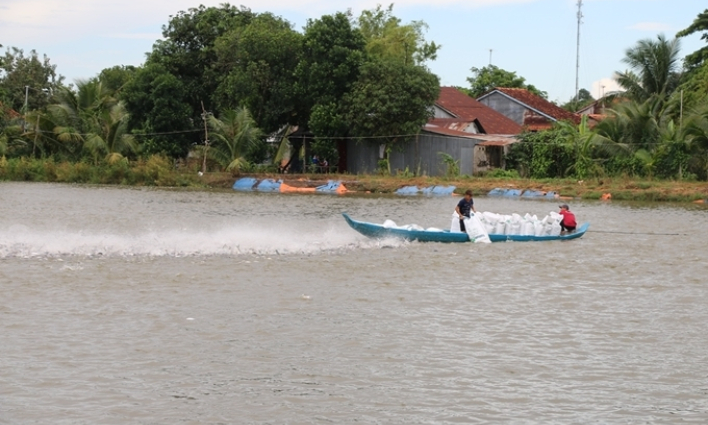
[331, 186]
[245, 184]
[269, 185]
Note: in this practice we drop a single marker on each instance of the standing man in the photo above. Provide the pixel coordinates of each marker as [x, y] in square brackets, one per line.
[463, 209]
[568, 223]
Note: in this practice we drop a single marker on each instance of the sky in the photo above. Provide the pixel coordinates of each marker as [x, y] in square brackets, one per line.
[534, 38]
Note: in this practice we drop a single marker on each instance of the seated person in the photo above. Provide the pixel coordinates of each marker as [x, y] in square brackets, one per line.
[568, 223]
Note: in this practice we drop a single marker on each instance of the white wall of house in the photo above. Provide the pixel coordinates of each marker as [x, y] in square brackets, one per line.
[441, 113]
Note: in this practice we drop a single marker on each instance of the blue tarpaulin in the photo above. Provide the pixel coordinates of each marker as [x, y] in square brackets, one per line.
[439, 190]
[408, 190]
[269, 185]
[331, 186]
[245, 184]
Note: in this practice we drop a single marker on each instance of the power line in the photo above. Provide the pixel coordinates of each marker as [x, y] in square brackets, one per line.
[131, 134]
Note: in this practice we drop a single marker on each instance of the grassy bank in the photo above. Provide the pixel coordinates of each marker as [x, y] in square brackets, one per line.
[160, 171]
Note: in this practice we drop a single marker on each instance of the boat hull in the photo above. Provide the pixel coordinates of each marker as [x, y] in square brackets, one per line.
[378, 231]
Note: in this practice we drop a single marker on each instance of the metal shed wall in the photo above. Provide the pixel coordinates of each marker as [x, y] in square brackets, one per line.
[419, 155]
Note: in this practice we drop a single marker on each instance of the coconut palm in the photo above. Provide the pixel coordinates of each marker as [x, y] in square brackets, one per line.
[232, 137]
[588, 147]
[654, 66]
[696, 130]
[92, 116]
[112, 137]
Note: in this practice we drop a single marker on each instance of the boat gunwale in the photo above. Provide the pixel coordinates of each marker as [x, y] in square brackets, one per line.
[374, 230]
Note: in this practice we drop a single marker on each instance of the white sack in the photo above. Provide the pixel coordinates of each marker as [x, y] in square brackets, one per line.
[476, 230]
[455, 225]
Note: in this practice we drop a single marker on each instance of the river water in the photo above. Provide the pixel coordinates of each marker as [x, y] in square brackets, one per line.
[148, 306]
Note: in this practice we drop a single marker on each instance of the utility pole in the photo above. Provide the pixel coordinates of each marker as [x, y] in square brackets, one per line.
[206, 137]
[577, 60]
[490, 56]
[26, 97]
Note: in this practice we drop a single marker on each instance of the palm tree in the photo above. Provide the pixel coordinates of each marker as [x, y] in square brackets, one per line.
[696, 131]
[587, 146]
[113, 138]
[653, 70]
[233, 135]
[92, 116]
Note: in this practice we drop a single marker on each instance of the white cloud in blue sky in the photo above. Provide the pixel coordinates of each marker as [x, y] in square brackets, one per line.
[535, 38]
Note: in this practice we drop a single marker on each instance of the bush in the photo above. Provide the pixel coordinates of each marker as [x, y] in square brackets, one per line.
[502, 174]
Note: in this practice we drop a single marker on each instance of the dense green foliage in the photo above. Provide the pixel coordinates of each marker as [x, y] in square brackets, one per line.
[249, 79]
[489, 77]
[700, 24]
[576, 103]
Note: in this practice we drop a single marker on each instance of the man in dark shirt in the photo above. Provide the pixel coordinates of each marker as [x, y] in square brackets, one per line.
[463, 209]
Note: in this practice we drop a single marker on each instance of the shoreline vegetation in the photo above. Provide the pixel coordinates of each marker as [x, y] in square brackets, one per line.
[253, 94]
[159, 171]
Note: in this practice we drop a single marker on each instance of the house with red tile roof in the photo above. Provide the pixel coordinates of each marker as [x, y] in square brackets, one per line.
[473, 134]
[456, 110]
[526, 109]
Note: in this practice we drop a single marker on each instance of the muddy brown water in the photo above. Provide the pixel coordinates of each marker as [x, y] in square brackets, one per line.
[148, 306]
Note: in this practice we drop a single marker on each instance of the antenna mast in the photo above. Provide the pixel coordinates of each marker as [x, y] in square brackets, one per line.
[577, 61]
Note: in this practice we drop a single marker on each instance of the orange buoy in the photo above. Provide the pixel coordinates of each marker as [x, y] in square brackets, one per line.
[284, 188]
[341, 189]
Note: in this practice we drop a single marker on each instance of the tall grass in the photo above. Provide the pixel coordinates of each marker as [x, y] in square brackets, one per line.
[153, 171]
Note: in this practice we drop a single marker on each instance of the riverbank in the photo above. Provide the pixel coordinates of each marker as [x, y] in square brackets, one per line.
[158, 171]
[621, 189]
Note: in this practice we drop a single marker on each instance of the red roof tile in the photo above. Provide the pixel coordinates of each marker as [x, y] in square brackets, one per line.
[540, 104]
[468, 109]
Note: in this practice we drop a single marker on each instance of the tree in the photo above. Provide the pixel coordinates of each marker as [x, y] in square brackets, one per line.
[583, 99]
[387, 39]
[115, 78]
[700, 56]
[333, 52]
[653, 69]
[489, 77]
[233, 136]
[258, 61]
[588, 148]
[188, 50]
[158, 103]
[696, 130]
[92, 115]
[694, 88]
[18, 71]
[390, 99]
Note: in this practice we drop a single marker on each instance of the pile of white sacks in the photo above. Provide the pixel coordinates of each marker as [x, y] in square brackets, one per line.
[515, 224]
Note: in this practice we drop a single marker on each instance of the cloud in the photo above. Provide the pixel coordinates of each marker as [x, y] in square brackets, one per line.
[650, 26]
[604, 86]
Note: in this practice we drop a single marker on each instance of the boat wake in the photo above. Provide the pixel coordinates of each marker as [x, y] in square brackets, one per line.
[20, 241]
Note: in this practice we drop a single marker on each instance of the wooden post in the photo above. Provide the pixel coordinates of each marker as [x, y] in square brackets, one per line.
[206, 138]
[36, 134]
